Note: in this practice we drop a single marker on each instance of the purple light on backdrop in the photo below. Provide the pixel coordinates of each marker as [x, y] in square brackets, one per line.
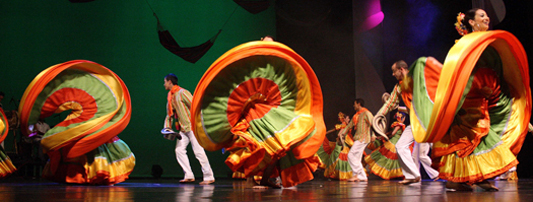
[421, 21]
[374, 15]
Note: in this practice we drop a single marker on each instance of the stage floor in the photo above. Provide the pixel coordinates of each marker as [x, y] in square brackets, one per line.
[21, 189]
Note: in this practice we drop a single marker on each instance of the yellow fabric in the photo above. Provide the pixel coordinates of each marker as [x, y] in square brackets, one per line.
[6, 168]
[62, 137]
[115, 169]
[92, 171]
[454, 77]
[331, 172]
[475, 168]
[382, 172]
[309, 96]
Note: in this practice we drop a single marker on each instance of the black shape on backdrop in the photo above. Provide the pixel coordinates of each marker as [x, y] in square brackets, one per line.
[189, 54]
[253, 6]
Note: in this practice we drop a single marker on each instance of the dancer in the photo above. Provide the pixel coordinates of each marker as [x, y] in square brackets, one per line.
[383, 161]
[409, 168]
[84, 148]
[334, 155]
[476, 108]
[6, 166]
[261, 102]
[361, 123]
[178, 110]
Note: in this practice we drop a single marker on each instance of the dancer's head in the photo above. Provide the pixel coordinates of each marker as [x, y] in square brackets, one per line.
[476, 19]
[342, 116]
[170, 81]
[358, 104]
[399, 69]
[400, 116]
[267, 38]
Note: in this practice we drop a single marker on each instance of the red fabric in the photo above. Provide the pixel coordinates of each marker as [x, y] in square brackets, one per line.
[65, 95]
[252, 99]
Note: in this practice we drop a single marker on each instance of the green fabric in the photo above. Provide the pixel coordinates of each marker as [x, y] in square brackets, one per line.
[3, 155]
[112, 152]
[104, 97]
[499, 113]
[422, 105]
[289, 159]
[215, 101]
[340, 165]
[383, 161]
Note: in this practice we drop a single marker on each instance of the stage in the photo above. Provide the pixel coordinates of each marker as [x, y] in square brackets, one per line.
[23, 189]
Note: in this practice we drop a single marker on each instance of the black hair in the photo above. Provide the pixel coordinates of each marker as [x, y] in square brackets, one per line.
[470, 15]
[172, 78]
[360, 101]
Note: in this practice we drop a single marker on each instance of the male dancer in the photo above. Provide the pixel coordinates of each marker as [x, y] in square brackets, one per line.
[409, 168]
[361, 122]
[178, 108]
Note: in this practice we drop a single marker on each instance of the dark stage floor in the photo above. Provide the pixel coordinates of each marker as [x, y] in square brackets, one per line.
[20, 189]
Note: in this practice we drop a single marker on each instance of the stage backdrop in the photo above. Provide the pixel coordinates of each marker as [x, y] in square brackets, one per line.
[352, 44]
[351, 59]
[122, 35]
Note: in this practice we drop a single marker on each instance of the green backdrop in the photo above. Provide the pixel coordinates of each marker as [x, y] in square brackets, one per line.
[122, 36]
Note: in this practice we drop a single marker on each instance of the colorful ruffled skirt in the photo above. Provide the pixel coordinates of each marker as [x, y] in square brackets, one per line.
[475, 107]
[83, 148]
[6, 166]
[383, 161]
[261, 102]
[334, 158]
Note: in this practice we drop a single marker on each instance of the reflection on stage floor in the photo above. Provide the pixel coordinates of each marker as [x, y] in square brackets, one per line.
[21, 189]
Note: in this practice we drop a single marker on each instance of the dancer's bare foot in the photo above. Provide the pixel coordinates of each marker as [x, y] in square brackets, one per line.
[267, 185]
[250, 183]
[353, 179]
[487, 186]
[410, 181]
[259, 187]
[272, 183]
[206, 182]
[186, 180]
[458, 186]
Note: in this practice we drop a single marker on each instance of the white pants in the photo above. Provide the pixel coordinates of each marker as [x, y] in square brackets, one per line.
[420, 154]
[355, 156]
[183, 160]
[409, 168]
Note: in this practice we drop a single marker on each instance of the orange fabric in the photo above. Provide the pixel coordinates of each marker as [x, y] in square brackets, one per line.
[170, 97]
[6, 126]
[87, 143]
[432, 73]
[248, 159]
[268, 96]
[355, 118]
[464, 138]
[81, 97]
[247, 50]
[299, 173]
[247, 153]
[407, 93]
[455, 74]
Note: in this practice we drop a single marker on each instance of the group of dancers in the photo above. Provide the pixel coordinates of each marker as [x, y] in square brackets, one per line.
[474, 109]
[262, 104]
